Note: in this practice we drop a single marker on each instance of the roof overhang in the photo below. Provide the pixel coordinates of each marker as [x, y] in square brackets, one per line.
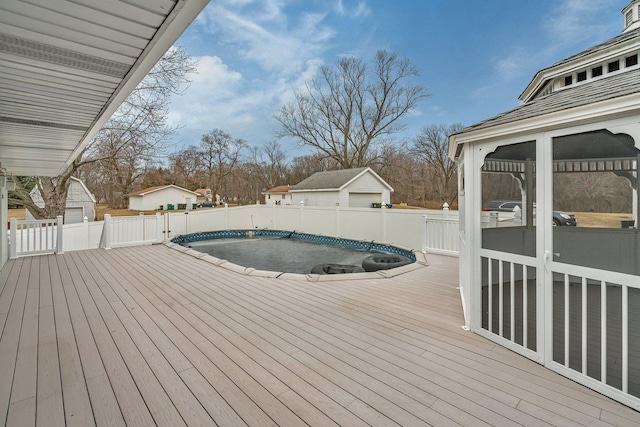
[610, 50]
[159, 189]
[610, 109]
[375, 175]
[66, 67]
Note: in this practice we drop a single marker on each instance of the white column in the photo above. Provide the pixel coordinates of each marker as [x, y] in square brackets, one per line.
[106, 231]
[14, 238]
[60, 231]
[4, 215]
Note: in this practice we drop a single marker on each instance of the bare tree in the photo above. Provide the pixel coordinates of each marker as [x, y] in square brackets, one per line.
[220, 154]
[432, 147]
[130, 142]
[185, 165]
[275, 164]
[352, 109]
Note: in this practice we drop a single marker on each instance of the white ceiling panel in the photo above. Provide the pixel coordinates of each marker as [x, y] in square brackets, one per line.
[65, 67]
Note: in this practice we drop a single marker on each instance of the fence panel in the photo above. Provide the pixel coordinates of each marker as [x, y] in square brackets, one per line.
[318, 220]
[440, 235]
[130, 230]
[80, 236]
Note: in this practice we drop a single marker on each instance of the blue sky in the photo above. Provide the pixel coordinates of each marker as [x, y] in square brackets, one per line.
[475, 57]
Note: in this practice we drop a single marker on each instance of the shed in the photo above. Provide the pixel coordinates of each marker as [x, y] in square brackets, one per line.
[567, 297]
[279, 195]
[162, 197]
[360, 187]
[80, 202]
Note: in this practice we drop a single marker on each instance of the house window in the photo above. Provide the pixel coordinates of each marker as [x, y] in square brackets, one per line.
[628, 18]
[597, 71]
[614, 66]
[269, 195]
[582, 76]
[284, 196]
[630, 61]
[568, 80]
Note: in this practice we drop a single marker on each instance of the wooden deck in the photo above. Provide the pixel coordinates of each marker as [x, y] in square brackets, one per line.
[147, 335]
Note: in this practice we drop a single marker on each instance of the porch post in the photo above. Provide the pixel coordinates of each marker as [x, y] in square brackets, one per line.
[60, 231]
[159, 227]
[528, 182]
[14, 238]
[106, 231]
[4, 214]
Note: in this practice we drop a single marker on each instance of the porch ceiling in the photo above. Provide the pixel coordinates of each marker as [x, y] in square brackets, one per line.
[66, 66]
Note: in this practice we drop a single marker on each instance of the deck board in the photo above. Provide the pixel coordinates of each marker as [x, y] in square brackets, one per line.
[151, 336]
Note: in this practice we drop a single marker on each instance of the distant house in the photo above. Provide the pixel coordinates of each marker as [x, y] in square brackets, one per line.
[206, 195]
[360, 187]
[80, 202]
[162, 197]
[278, 195]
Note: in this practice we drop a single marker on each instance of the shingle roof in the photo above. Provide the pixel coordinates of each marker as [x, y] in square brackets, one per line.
[622, 38]
[629, 35]
[330, 180]
[157, 188]
[278, 189]
[589, 93]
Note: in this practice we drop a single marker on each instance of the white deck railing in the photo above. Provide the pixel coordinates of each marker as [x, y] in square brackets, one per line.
[441, 235]
[131, 230]
[422, 230]
[32, 237]
[595, 327]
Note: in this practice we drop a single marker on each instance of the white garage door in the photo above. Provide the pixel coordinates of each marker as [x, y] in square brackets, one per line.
[73, 215]
[363, 200]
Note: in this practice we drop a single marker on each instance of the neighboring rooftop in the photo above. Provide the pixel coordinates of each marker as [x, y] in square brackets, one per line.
[157, 188]
[333, 180]
[278, 189]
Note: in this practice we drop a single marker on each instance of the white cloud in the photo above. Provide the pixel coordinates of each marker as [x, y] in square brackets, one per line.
[360, 10]
[264, 52]
[213, 82]
[261, 33]
[574, 21]
[570, 25]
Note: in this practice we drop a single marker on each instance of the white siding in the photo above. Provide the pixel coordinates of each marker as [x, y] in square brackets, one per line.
[366, 183]
[364, 200]
[316, 198]
[152, 201]
[282, 198]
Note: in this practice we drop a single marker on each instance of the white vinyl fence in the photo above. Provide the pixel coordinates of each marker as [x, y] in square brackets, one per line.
[421, 230]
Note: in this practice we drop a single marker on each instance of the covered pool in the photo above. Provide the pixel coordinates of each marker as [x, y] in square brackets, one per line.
[292, 252]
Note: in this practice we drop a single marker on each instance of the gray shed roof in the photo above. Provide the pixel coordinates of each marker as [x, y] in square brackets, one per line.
[330, 180]
[589, 93]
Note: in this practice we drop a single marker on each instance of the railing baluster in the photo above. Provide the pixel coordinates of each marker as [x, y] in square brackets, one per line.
[584, 325]
[603, 332]
[566, 320]
[490, 293]
[625, 339]
[500, 298]
[525, 307]
[512, 303]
